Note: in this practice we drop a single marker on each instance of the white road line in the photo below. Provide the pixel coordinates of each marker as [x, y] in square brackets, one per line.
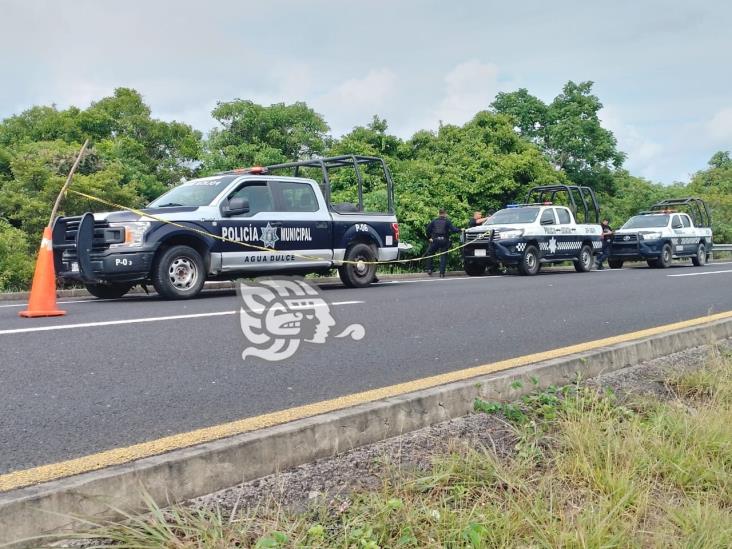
[705, 273]
[138, 320]
[25, 302]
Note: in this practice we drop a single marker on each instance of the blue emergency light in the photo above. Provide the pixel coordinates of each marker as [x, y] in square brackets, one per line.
[532, 204]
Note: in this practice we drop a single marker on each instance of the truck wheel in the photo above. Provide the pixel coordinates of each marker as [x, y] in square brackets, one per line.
[529, 264]
[701, 256]
[615, 263]
[113, 290]
[358, 275]
[585, 261]
[664, 261]
[178, 273]
[474, 269]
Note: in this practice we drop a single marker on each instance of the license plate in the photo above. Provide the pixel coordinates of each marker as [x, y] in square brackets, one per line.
[74, 267]
[479, 253]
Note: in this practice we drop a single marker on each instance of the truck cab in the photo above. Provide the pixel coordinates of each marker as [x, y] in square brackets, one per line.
[530, 234]
[245, 222]
[664, 233]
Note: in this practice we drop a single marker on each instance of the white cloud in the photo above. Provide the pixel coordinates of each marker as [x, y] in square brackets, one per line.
[645, 156]
[353, 101]
[367, 93]
[470, 87]
[719, 128]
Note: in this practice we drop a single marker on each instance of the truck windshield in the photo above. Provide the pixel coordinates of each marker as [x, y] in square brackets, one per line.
[513, 215]
[198, 192]
[646, 221]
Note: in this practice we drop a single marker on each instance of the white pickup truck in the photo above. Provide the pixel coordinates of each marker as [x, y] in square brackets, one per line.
[664, 233]
[531, 234]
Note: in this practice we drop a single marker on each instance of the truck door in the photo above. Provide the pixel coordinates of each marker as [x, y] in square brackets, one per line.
[691, 238]
[677, 229]
[550, 246]
[304, 223]
[568, 244]
[246, 233]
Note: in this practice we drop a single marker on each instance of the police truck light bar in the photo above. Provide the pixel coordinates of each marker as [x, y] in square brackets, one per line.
[532, 204]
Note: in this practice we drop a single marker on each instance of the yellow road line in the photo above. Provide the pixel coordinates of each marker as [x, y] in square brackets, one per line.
[118, 456]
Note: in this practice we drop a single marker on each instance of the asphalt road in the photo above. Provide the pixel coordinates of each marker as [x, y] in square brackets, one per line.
[140, 375]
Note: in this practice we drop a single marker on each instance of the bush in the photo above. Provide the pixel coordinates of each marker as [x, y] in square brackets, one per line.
[16, 260]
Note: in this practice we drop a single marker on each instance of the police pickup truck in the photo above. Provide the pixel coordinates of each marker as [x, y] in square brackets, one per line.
[537, 232]
[246, 222]
[664, 233]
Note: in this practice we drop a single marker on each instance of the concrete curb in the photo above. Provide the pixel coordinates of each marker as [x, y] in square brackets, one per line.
[214, 285]
[199, 470]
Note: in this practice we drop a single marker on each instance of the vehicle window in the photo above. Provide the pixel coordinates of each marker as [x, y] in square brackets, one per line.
[564, 217]
[508, 216]
[297, 197]
[197, 192]
[258, 194]
[676, 222]
[686, 221]
[646, 221]
[547, 217]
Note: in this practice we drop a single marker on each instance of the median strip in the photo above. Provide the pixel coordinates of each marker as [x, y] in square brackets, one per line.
[190, 464]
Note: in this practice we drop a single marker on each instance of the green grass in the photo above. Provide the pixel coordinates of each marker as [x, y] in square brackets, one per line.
[587, 471]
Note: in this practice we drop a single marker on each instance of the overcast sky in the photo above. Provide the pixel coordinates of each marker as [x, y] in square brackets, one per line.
[663, 69]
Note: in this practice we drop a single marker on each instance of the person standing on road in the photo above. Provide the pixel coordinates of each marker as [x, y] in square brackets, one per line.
[607, 242]
[477, 219]
[438, 233]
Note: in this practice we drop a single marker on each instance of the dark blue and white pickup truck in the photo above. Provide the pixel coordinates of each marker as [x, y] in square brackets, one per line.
[676, 228]
[246, 222]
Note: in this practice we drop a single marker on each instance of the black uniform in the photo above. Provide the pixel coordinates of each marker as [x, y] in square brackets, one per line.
[607, 242]
[438, 231]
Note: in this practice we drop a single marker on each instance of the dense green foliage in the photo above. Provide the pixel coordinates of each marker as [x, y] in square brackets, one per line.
[493, 159]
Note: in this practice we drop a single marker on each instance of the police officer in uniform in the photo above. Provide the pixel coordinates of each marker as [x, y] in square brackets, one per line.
[607, 242]
[477, 219]
[438, 233]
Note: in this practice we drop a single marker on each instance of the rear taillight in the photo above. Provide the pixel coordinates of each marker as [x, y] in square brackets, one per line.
[395, 230]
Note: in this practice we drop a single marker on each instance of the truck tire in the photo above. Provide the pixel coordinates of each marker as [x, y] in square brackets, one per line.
[178, 273]
[113, 290]
[474, 269]
[615, 263]
[585, 261]
[701, 256]
[358, 275]
[529, 264]
[664, 260]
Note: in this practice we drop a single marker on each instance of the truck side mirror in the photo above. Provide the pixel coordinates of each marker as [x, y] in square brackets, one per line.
[236, 206]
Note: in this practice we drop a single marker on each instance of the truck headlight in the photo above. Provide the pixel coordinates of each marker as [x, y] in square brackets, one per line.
[651, 236]
[513, 233]
[134, 233]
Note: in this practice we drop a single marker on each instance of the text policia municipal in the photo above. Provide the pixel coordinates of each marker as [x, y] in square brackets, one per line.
[252, 233]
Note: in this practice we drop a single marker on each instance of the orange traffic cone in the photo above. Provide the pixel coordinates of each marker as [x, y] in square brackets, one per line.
[42, 300]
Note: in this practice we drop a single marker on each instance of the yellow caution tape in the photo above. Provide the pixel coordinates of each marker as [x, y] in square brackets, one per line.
[262, 248]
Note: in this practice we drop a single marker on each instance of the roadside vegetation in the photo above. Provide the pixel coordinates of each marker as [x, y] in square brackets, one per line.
[517, 142]
[588, 469]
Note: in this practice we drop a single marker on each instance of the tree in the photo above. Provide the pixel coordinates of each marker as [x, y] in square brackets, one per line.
[133, 158]
[568, 131]
[16, 263]
[714, 185]
[253, 134]
[530, 114]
